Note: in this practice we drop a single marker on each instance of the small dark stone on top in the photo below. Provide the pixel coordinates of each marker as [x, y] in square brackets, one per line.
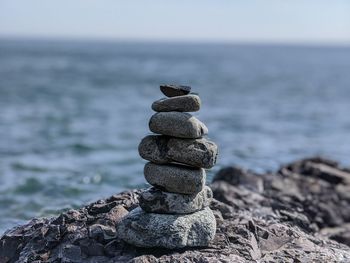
[175, 90]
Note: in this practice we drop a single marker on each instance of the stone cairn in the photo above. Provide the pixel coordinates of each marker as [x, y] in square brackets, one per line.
[175, 212]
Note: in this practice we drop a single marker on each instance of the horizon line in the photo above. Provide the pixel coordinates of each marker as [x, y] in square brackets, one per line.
[203, 41]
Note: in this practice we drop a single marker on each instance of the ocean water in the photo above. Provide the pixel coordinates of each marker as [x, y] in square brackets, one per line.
[72, 113]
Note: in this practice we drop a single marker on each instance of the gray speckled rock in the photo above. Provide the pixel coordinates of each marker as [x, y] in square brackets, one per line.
[177, 124]
[164, 149]
[175, 178]
[181, 103]
[154, 200]
[143, 229]
[251, 226]
[175, 90]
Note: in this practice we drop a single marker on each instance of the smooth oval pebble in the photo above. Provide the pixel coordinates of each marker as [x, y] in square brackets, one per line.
[175, 178]
[186, 103]
[177, 124]
[174, 90]
[153, 200]
[143, 229]
[164, 149]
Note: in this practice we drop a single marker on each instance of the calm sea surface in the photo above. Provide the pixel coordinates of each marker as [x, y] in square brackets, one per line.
[73, 114]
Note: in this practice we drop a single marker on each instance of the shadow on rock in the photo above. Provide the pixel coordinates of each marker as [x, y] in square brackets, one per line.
[298, 214]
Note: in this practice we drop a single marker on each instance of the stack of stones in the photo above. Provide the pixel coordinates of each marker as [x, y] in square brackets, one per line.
[174, 212]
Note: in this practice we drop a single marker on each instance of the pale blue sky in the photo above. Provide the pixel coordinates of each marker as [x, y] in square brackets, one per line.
[301, 21]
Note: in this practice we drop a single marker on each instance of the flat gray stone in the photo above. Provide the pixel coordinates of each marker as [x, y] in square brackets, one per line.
[175, 90]
[186, 103]
[175, 178]
[143, 229]
[177, 124]
[154, 200]
[163, 149]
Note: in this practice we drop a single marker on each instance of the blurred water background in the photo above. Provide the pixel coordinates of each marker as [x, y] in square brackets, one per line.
[72, 113]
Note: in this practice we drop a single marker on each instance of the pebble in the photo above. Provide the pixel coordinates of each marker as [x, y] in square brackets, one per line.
[186, 103]
[163, 149]
[175, 178]
[177, 124]
[175, 90]
[143, 229]
[154, 200]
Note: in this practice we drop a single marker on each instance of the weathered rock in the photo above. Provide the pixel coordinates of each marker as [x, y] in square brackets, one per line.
[322, 170]
[317, 186]
[154, 200]
[163, 149]
[177, 124]
[340, 233]
[186, 103]
[116, 213]
[144, 229]
[175, 178]
[175, 90]
[71, 253]
[300, 217]
[238, 176]
[102, 232]
[91, 247]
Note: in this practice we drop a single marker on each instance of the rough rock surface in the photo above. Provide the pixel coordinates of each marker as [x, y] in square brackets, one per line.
[300, 215]
[175, 90]
[163, 149]
[175, 178]
[168, 231]
[154, 200]
[177, 124]
[186, 103]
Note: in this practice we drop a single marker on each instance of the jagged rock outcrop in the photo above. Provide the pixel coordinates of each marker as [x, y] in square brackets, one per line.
[298, 214]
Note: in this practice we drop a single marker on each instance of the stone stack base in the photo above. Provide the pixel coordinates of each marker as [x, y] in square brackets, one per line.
[174, 212]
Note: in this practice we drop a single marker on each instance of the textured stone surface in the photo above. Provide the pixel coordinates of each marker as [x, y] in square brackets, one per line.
[163, 149]
[238, 176]
[301, 216]
[175, 178]
[168, 231]
[186, 103]
[177, 124]
[175, 90]
[156, 201]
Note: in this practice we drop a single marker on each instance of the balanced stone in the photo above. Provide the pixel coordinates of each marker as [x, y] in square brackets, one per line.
[177, 124]
[174, 213]
[144, 229]
[163, 149]
[175, 178]
[181, 103]
[175, 90]
[154, 200]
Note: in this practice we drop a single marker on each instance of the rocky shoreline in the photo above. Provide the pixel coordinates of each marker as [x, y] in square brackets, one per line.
[300, 213]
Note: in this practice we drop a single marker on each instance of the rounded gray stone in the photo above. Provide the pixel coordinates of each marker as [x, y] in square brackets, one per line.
[154, 200]
[184, 103]
[143, 229]
[175, 90]
[175, 178]
[163, 149]
[177, 124]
